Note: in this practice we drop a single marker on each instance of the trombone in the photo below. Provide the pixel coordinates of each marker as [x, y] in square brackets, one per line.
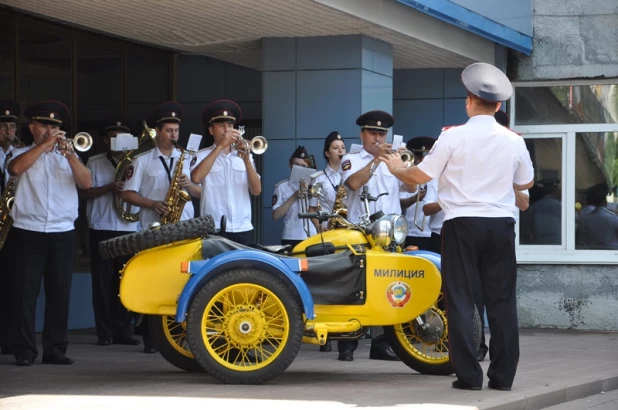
[303, 197]
[418, 201]
[82, 142]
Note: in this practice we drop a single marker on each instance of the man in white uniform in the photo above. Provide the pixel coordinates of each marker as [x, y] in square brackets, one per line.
[9, 113]
[227, 175]
[479, 165]
[419, 233]
[150, 174]
[356, 174]
[112, 319]
[43, 234]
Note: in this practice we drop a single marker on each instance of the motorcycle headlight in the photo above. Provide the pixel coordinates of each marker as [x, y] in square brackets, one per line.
[388, 229]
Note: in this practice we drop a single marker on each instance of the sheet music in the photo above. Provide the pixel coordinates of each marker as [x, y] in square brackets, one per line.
[194, 142]
[299, 173]
[124, 142]
[397, 140]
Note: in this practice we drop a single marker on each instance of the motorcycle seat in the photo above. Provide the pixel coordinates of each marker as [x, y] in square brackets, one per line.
[213, 245]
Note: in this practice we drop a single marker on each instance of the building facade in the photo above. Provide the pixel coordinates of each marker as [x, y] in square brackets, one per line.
[300, 69]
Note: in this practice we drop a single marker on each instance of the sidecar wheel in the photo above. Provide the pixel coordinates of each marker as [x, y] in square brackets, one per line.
[245, 326]
[170, 339]
[427, 351]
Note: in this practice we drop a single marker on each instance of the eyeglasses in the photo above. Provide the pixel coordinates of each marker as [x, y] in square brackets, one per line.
[8, 127]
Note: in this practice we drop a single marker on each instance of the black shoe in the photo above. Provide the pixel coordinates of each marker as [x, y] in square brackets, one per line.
[346, 356]
[494, 386]
[22, 361]
[480, 357]
[381, 353]
[129, 341]
[326, 348]
[458, 384]
[104, 342]
[62, 360]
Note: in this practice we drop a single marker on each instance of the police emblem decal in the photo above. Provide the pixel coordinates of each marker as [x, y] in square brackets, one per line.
[398, 294]
[129, 172]
[346, 165]
[274, 199]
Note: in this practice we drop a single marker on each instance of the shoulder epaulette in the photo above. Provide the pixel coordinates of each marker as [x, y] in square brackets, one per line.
[141, 154]
[281, 182]
[98, 156]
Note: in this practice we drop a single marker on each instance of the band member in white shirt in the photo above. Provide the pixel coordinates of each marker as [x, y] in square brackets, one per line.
[286, 203]
[43, 234]
[112, 319]
[9, 114]
[149, 175]
[334, 150]
[355, 174]
[419, 233]
[479, 165]
[227, 174]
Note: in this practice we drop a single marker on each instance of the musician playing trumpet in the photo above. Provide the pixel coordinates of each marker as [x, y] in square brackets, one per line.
[41, 243]
[419, 233]
[227, 173]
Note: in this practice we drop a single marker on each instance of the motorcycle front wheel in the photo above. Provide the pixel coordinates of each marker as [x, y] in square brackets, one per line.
[425, 348]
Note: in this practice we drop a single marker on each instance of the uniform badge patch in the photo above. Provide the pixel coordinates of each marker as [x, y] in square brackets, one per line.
[398, 294]
[193, 161]
[346, 165]
[129, 172]
[274, 199]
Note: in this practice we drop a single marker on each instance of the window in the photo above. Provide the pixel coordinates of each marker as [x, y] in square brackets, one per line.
[571, 131]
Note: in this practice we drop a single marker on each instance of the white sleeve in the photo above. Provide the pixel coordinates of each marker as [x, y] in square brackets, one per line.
[525, 171]
[434, 163]
[278, 196]
[432, 192]
[133, 177]
[348, 167]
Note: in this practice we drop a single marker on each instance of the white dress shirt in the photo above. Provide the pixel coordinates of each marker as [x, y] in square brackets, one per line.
[225, 191]
[149, 178]
[382, 181]
[46, 196]
[476, 165]
[436, 220]
[293, 226]
[100, 210]
[3, 162]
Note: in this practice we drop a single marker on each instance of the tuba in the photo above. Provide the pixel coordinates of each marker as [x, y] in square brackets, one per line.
[146, 142]
[339, 208]
[176, 197]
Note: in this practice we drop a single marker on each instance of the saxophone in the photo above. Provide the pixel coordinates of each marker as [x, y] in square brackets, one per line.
[8, 196]
[176, 197]
[339, 208]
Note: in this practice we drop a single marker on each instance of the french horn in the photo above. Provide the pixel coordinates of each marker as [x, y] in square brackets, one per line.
[146, 141]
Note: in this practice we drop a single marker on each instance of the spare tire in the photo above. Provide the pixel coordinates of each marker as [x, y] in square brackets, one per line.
[135, 242]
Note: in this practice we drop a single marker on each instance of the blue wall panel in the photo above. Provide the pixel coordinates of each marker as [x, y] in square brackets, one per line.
[327, 100]
[377, 56]
[328, 52]
[418, 117]
[279, 54]
[455, 111]
[279, 103]
[452, 84]
[421, 83]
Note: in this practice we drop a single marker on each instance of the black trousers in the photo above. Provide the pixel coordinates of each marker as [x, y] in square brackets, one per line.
[420, 241]
[5, 294]
[112, 319]
[435, 243]
[243, 238]
[37, 256]
[479, 259]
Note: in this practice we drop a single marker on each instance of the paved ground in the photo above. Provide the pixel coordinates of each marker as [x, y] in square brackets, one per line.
[555, 367]
[603, 401]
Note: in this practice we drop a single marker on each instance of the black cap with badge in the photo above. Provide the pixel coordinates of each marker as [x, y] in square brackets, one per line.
[378, 120]
[220, 111]
[420, 145]
[333, 136]
[116, 122]
[47, 112]
[9, 111]
[170, 111]
[300, 152]
[486, 82]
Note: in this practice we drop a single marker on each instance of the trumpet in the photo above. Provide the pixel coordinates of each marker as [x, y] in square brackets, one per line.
[418, 201]
[407, 157]
[82, 141]
[257, 145]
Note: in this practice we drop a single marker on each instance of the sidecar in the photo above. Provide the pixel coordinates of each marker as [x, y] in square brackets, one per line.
[241, 313]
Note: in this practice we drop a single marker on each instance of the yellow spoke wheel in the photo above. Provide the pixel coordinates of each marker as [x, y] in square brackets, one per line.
[245, 326]
[424, 346]
[170, 339]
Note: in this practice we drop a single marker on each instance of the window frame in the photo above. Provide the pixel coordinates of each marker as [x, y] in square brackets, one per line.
[566, 252]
